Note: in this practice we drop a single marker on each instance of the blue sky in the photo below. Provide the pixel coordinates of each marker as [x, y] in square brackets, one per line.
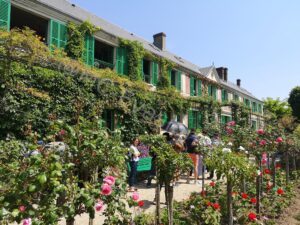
[258, 40]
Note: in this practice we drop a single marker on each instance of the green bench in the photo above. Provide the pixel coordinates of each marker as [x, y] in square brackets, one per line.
[144, 164]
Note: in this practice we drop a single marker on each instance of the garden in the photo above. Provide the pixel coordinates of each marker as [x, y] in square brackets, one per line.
[47, 96]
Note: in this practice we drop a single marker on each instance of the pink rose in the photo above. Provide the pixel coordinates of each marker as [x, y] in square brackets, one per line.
[231, 123]
[279, 140]
[110, 180]
[27, 221]
[22, 208]
[99, 206]
[135, 196]
[106, 189]
[260, 131]
[229, 130]
[263, 142]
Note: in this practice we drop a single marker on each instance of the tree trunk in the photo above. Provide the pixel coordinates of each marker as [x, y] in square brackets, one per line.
[229, 202]
[244, 185]
[157, 198]
[70, 221]
[258, 178]
[287, 168]
[268, 161]
[91, 221]
[170, 191]
[294, 166]
[203, 177]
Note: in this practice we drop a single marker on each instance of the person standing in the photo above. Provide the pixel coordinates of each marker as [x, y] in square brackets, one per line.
[191, 143]
[133, 163]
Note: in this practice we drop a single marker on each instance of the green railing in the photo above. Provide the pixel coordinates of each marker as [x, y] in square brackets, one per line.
[102, 64]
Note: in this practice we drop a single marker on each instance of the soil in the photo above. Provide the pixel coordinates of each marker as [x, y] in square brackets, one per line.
[289, 215]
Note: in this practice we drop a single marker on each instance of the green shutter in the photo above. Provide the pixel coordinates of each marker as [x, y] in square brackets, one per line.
[170, 75]
[209, 90]
[122, 61]
[192, 87]
[57, 34]
[215, 92]
[142, 69]
[89, 50]
[223, 119]
[224, 95]
[191, 119]
[154, 76]
[179, 81]
[199, 88]
[5, 9]
[199, 120]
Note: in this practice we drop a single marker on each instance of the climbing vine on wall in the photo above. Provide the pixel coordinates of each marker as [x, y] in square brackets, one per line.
[164, 79]
[136, 53]
[76, 35]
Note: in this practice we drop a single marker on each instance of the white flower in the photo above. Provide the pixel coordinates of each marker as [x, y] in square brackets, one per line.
[192, 207]
[229, 144]
[241, 148]
[226, 150]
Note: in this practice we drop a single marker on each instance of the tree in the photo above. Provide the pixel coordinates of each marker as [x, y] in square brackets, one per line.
[276, 108]
[294, 101]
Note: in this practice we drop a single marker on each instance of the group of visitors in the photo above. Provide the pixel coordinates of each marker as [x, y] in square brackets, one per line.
[190, 144]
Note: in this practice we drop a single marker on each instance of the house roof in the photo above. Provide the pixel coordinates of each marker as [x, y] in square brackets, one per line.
[206, 72]
[82, 15]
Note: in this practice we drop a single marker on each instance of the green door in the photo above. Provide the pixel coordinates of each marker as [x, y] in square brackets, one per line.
[154, 76]
[191, 119]
[5, 9]
[89, 50]
[57, 34]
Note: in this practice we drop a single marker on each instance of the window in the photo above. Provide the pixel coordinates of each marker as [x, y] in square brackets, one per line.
[224, 95]
[212, 91]
[108, 119]
[175, 78]
[259, 108]
[247, 102]
[122, 61]
[225, 119]
[195, 119]
[146, 71]
[104, 55]
[254, 107]
[236, 98]
[21, 19]
[195, 86]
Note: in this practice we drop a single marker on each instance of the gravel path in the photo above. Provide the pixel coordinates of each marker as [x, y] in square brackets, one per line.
[181, 191]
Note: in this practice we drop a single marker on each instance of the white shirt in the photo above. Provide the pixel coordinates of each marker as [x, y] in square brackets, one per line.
[134, 151]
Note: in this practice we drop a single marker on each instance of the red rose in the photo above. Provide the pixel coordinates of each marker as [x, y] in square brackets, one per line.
[280, 191]
[253, 200]
[267, 171]
[22, 208]
[216, 206]
[252, 216]
[279, 140]
[212, 184]
[141, 203]
[244, 195]
[209, 203]
[263, 142]
[264, 161]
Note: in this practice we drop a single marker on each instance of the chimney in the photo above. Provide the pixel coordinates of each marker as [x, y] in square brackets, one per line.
[159, 40]
[238, 82]
[225, 74]
[220, 71]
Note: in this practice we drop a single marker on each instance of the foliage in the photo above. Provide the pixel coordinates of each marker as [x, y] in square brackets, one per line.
[164, 79]
[294, 101]
[275, 108]
[136, 54]
[76, 35]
